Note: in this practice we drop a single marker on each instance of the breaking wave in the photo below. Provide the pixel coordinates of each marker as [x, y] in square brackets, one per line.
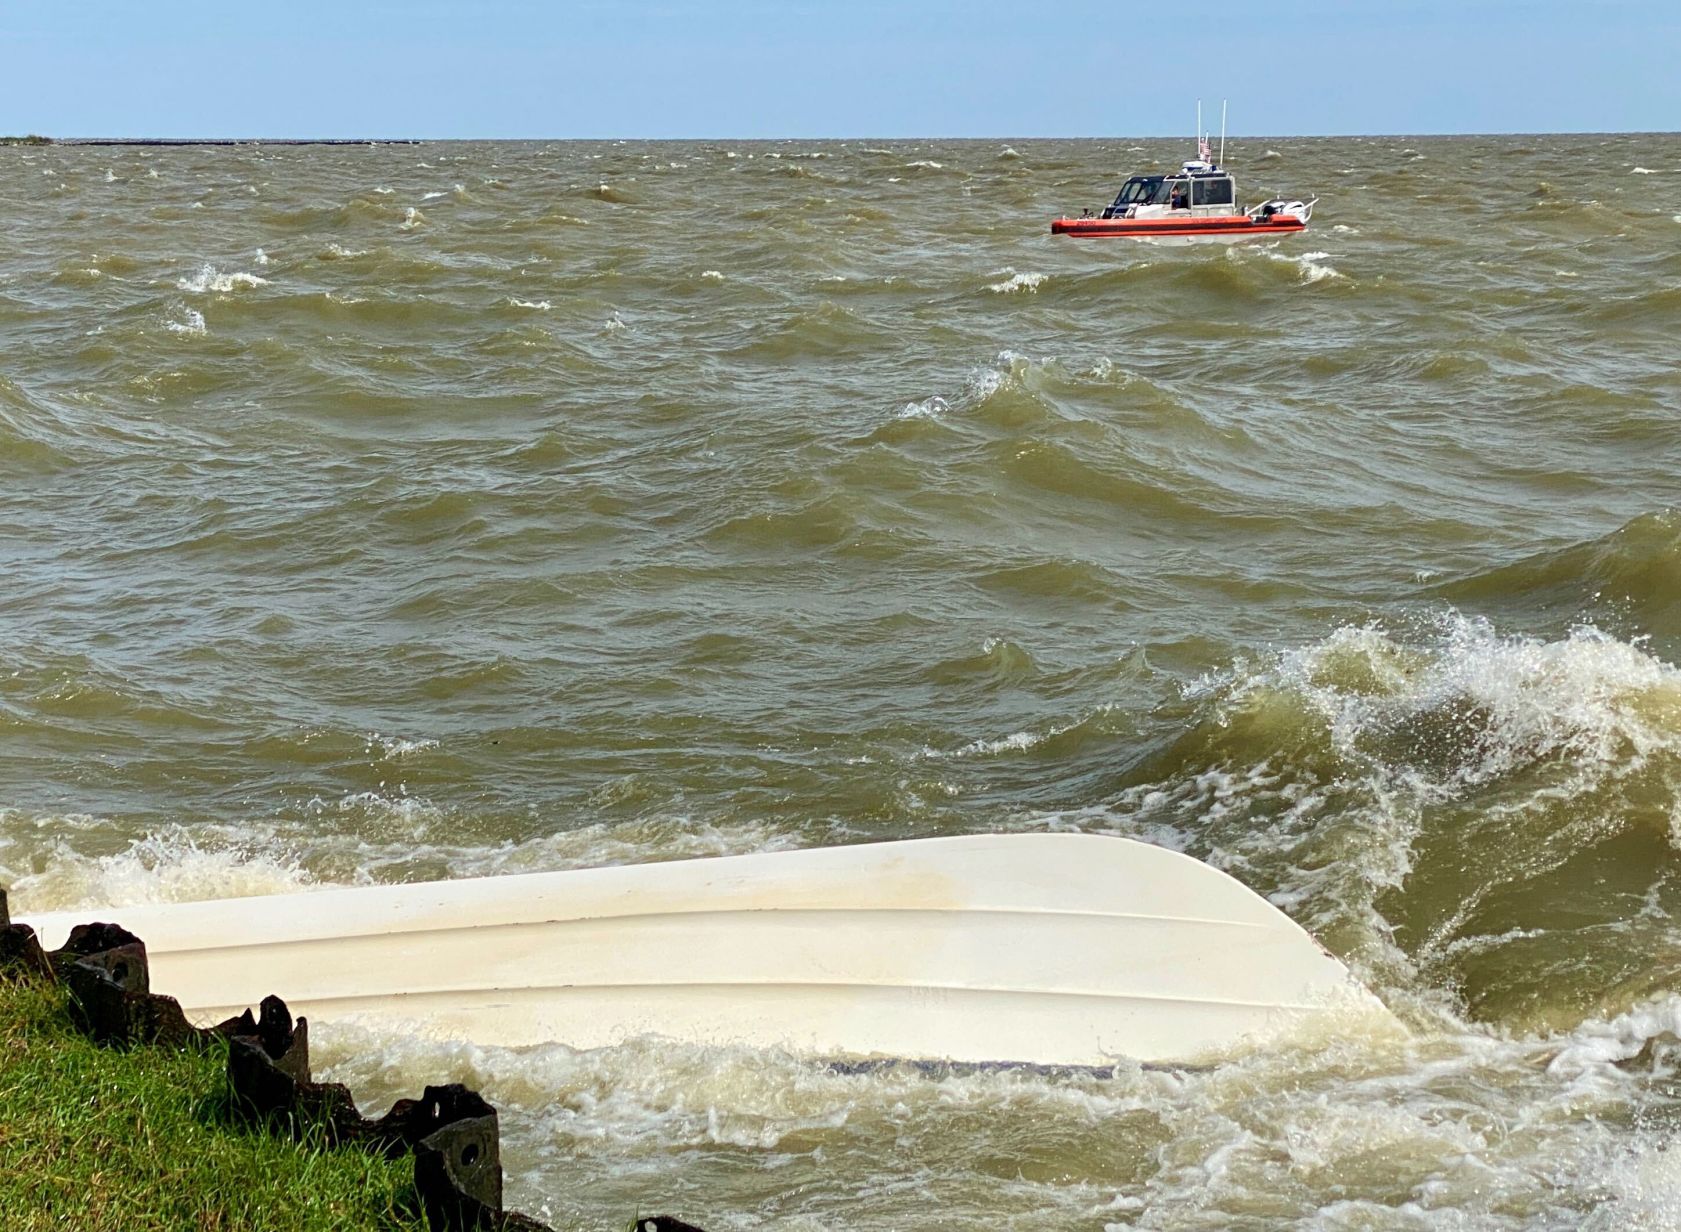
[172, 866]
[1424, 796]
[209, 278]
[1016, 282]
[1311, 264]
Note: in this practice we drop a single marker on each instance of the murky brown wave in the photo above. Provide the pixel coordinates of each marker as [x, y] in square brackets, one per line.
[407, 512]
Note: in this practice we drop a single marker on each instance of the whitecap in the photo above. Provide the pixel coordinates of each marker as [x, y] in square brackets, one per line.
[712, 275]
[1016, 282]
[410, 817]
[929, 408]
[1015, 742]
[193, 323]
[412, 218]
[209, 278]
[1309, 263]
[539, 305]
[1313, 270]
[392, 748]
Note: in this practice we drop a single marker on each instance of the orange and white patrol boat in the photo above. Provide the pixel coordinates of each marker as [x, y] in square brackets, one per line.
[1198, 204]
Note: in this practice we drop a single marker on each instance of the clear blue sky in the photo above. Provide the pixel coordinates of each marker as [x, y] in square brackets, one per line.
[759, 68]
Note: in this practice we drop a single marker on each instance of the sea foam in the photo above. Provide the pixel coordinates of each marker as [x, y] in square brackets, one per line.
[170, 866]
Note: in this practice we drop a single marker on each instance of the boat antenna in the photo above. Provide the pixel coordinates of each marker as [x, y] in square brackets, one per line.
[1222, 132]
[1198, 137]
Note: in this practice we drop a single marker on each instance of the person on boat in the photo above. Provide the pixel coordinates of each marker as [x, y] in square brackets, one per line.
[1179, 200]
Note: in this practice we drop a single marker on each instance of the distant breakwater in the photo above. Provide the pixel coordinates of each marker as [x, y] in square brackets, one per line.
[206, 141]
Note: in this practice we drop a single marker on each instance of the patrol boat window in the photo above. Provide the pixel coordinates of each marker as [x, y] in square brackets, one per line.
[1139, 190]
[1214, 190]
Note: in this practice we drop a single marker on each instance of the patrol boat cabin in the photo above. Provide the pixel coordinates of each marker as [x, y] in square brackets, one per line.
[1198, 189]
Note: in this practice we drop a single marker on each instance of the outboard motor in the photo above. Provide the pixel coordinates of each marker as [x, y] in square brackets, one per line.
[1290, 209]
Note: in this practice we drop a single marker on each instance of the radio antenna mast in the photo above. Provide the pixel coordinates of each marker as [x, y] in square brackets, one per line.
[1222, 132]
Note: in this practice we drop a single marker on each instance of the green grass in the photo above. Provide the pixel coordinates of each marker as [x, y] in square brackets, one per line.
[101, 1140]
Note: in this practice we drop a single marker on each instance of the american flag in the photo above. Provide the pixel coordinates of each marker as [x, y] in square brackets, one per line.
[1202, 148]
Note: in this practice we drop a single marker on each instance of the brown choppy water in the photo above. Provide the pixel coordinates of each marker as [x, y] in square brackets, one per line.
[411, 512]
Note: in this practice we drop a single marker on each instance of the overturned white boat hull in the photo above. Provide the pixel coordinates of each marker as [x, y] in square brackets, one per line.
[1051, 949]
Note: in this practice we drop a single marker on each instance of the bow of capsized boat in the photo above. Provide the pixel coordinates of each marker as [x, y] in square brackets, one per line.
[1053, 949]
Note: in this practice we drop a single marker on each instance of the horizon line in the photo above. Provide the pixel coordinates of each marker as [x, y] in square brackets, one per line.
[213, 139]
